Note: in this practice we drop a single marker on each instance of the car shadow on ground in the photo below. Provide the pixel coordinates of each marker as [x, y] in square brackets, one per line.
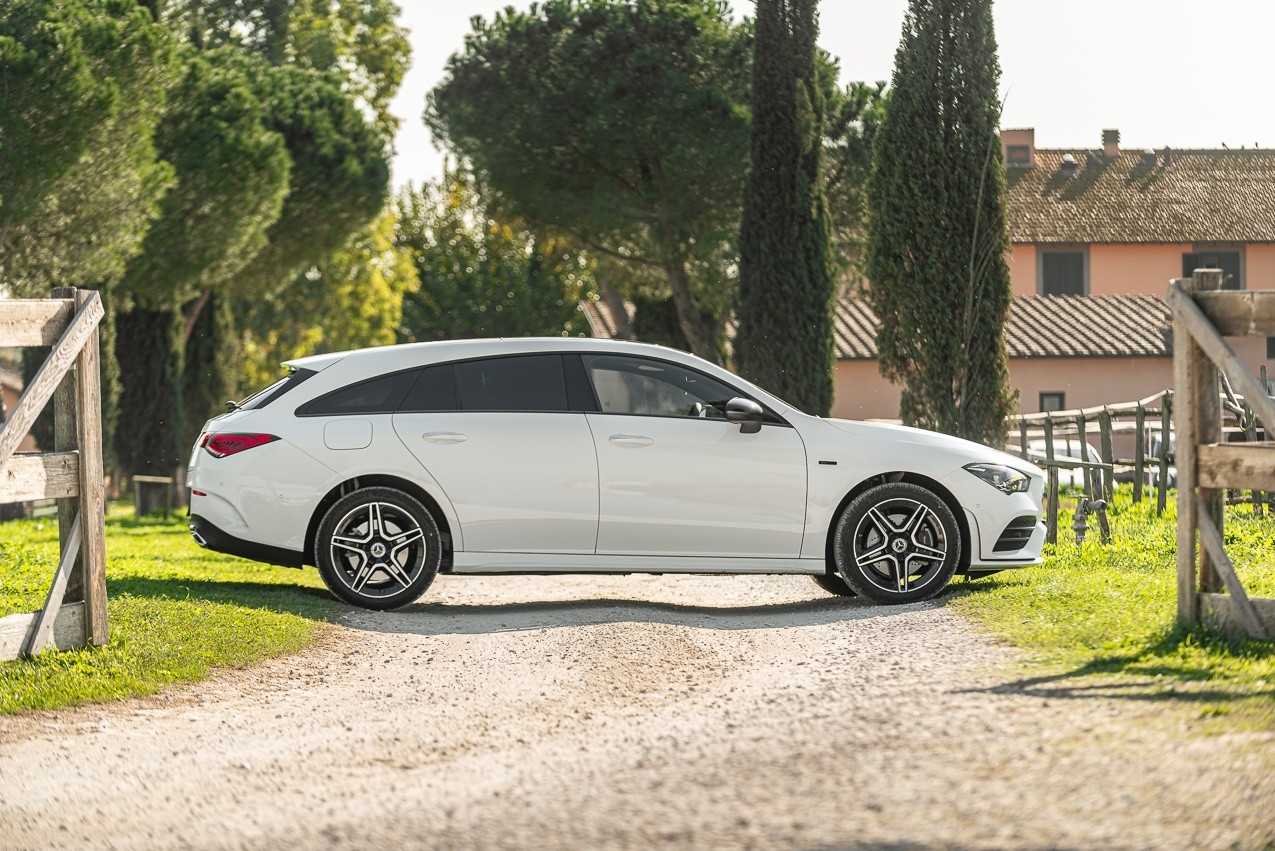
[472, 619]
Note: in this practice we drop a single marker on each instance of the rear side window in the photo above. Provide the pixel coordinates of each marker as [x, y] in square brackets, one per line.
[526, 383]
[264, 397]
[380, 395]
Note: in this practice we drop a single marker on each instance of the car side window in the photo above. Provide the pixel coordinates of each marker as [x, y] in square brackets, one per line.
[434, 390]
[380, 395]
[523, 383]
[629, 385]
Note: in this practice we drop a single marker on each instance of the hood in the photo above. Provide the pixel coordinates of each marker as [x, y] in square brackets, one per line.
[967, 450]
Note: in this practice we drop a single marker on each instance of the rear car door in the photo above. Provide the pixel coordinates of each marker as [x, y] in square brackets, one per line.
[517, 464]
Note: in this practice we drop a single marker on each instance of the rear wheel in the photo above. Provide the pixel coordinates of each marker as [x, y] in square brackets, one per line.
[834, 584]
[897, 543]
[378, 548]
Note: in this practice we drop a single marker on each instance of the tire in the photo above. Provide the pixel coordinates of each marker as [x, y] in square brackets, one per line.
[897, 543]
[834, 584]
[378, 548]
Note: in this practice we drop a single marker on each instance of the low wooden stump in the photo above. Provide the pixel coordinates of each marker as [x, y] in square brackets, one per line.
[151, 493]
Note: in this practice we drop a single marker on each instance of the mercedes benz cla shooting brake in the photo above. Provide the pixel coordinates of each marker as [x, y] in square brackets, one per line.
[383, 467]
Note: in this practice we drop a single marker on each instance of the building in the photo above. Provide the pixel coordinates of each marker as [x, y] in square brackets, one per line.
[1096, 235]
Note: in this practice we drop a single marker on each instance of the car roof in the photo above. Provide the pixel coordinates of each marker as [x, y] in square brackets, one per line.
[415, 354]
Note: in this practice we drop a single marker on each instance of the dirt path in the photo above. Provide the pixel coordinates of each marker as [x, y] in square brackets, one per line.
[630, 711]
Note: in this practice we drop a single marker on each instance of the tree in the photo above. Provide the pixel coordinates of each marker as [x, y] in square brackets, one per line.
[84, 82]
[622, 125]
[855, 114]
[232, 172]
[482, 277]
[786, 265]
[936, 261]
[360, 40]
[350, 300]
[339, 180]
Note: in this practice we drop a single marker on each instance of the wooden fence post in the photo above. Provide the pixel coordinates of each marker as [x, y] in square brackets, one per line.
[1139, 452]
[1108, 454]
[1198, 420]
[1162, 488]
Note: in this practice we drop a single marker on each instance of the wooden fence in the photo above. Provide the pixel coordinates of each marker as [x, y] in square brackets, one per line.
[1202, 316]
[71, 473]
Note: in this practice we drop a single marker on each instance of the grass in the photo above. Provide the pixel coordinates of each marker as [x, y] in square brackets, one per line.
[176, 612]
[1100, 619]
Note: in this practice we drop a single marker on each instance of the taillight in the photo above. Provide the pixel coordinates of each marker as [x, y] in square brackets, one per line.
[221, 445]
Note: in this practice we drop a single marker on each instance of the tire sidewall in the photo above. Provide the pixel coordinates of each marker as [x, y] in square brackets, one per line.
[843, 544]
[329, 572]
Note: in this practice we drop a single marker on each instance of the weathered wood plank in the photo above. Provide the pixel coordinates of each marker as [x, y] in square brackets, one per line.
[42, 631]
[1240, 314]
[33, 322]
[1186, 312]
[1241, 466]
[88, 427]
[1185, 355]
[1220, 614]
[68, 631]
[45, 475]
[1211, 540]
[40, 390]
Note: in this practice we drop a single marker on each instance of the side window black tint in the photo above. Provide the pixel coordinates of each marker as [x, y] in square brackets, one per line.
[435, 390]
[527, 383]
[381, 395]
[274, 391]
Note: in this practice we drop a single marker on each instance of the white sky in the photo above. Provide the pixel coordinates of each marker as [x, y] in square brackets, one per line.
[1163, 72]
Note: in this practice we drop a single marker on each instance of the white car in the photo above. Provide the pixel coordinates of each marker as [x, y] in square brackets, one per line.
[385, 466]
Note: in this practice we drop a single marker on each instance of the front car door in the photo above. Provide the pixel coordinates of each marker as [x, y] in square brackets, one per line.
[676, 478]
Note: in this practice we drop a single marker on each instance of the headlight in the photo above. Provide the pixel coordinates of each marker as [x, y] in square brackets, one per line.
[1004, 479]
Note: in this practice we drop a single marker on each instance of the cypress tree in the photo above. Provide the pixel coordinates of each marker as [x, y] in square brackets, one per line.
[786, 266]
[211, 368]
[938, 233]
[148, 438]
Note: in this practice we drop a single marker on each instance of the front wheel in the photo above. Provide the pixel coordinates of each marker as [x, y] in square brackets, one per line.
[897, 543]
[378, 548]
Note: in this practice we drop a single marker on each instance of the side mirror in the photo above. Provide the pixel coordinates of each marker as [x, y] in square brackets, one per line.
[747, 413]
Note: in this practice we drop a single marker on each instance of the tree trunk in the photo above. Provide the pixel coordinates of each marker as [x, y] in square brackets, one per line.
[692, 324]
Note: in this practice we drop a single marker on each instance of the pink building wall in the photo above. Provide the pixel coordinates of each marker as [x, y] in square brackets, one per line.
[861, 393]
[1137, 268]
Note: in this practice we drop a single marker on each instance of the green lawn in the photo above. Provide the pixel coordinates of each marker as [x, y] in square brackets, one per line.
[1096, 614]
[176, 611]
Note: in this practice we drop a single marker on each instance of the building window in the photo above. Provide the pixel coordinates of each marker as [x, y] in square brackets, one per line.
[1270, 348]
[1229, 260]
[1063, 273]
[1018, 156]
[1053, 402]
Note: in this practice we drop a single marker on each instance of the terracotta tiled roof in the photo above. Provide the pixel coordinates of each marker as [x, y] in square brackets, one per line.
[1198, 196]
[1043, 327]
[1119, 326]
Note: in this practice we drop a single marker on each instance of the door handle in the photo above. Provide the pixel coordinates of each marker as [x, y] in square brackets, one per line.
[445, 437]
[631, 440]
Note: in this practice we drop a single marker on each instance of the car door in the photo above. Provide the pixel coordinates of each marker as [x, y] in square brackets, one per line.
[676, 478]
[517, 466]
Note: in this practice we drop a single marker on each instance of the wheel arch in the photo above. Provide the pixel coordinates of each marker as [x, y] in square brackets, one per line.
[380, 480]
[911, 478]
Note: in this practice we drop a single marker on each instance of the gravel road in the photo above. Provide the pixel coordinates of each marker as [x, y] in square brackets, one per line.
[588, 712]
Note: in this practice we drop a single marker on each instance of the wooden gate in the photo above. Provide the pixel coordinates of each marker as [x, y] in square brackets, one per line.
[1202, 316]
[71, 473]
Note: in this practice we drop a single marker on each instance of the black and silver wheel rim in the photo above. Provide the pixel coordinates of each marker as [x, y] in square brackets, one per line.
[900, 545]
[378, 550]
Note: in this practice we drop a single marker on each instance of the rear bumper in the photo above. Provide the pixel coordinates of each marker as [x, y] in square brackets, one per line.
[210, 537]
